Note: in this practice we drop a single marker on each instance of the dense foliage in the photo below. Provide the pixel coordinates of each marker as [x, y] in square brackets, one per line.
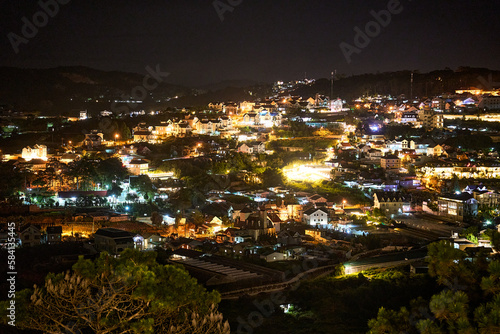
[131, 293]
[469, 302]
[341, 305]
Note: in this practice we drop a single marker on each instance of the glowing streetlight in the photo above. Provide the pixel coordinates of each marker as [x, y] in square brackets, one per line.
[343, 204]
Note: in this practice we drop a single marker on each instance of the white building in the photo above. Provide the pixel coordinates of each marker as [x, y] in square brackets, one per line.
[35, 152]
[316, 217]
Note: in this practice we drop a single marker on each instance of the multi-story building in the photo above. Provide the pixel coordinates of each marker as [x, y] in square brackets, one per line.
[138, 166]
[430, 119]
[390, 161]
[93, 139]
[490, 103]
[113, 240]
[30, 235]
[316, 217]
[392, 203]
[458, 206]
[35, 152]
[53, 234]
[486, 198]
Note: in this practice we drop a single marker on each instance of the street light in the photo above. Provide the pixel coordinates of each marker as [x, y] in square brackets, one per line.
[116, 137]
[343, 204]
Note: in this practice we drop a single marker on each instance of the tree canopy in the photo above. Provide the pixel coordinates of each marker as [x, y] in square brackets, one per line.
[128, 294]
[469, 303]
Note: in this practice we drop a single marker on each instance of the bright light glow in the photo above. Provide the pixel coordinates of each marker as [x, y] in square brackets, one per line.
[311, 173]
[35, 152]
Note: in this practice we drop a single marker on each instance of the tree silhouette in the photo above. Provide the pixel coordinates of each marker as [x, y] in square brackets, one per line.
[128, 294]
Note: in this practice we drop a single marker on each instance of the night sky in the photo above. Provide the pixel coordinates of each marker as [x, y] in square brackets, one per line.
[260, 40]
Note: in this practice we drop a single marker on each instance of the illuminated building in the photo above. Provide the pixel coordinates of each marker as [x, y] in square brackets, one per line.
[463, 170]
[390, 162]
[316, 217]
[251, 148]
[113, 240]
[84, 115]
[458, 206]
[138, 167]
[391, 203]
[336, 105]
[431, 120]
[93, 139]
[35, 152]
[246, 106]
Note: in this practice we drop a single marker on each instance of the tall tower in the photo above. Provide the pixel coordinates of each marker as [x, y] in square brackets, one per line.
[332, 108]
[411, 88]
[331, 85]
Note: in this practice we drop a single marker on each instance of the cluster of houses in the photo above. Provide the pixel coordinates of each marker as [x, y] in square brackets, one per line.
[30, 235]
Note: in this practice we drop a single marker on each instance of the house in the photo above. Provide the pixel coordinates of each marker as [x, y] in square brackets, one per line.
[317, 200]
[316, 217]
[436, 151]
[391, 203]
[230, 108]
[182, 129]
[113, 240]
[243, 214]
[409, 117]
[273, 256]
[252, 148]
[374, 155]
[486, 198]
[53, 234]
[143, 135]
[289, 238]
[251, 119]
[138, 166]
[346, 147]
[246, 106]
[266, 119]
[226, 123]
[235, 235]
[35, 152]
[206, 126]
[30, 235]
[153, 240]
[390, 161]
[257, 224]
[93, 139]
[215, 105]
[458, 206]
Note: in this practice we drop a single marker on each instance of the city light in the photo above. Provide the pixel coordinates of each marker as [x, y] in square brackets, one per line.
[308, 173]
